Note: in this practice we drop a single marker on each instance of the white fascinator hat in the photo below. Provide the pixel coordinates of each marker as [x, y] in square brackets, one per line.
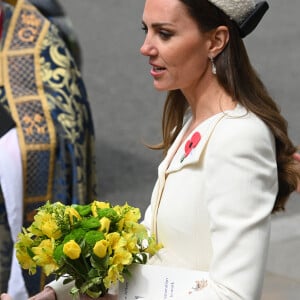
[245, 13]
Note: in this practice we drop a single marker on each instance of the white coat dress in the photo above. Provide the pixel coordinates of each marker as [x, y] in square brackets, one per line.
[211, 210]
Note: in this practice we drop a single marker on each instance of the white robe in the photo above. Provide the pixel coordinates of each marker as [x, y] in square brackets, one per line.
[11, 182]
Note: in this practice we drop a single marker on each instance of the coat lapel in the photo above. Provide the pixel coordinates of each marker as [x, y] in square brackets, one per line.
[183, 156]
[173, 160]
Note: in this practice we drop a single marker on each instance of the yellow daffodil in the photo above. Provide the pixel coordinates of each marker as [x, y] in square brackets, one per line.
[98, 204]
[136, 228]
[100, 248]
[26, 261]
[45, 223]
[44, 256]
[72, 249]
[51, 230]
[131, 242]
[73, 214]
[105, 223]
[121, 257]
[133, 214]
[118, 209]
[121, 224]
[24, 243]
[128, 213]
[152, 246]
[113, 275]
[24, 239]
[115, 240]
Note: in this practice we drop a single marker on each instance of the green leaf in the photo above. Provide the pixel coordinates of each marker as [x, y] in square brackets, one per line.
[83, 210]
[58, 253]
[99, 263]
[109, 213]
[76, 235]
[74, 291]
[90, 223]
[93, 273]
[93, 236]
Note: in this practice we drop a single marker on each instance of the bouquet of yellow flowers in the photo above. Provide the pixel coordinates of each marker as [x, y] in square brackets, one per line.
[91, 244]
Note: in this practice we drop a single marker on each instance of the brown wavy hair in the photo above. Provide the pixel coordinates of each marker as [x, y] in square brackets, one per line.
[237, 76]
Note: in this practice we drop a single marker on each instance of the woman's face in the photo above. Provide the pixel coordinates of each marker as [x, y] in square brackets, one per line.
[177, 49]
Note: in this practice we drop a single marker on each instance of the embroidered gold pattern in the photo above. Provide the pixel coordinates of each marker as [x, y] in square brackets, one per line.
[32, 24]
[33, 123]
[38, 78]
[22, 75]
[27, 100]
[27, 30]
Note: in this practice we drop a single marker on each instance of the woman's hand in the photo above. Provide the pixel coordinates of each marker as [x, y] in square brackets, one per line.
[46, 294]
[5, 297]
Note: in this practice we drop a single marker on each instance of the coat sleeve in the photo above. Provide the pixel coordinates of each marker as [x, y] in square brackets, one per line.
[241, 191]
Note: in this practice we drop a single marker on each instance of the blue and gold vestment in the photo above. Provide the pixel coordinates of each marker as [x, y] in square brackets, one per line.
[42, 89]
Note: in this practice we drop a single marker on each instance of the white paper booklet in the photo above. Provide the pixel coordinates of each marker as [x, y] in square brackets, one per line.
[154, 282]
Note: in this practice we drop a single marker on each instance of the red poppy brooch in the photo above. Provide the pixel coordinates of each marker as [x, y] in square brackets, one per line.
[191, 144]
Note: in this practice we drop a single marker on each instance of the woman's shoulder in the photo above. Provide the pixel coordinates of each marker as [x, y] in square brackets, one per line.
[244, 128]
[242, 122]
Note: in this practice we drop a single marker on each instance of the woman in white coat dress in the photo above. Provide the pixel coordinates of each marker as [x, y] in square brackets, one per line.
[228, 159]
[229, 166]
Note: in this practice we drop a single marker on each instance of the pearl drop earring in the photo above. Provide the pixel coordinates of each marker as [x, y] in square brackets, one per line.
[213, 65]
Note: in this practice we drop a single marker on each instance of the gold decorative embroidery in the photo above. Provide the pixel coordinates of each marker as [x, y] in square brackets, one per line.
[31, 28]
[27, 100]
[42, 88]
